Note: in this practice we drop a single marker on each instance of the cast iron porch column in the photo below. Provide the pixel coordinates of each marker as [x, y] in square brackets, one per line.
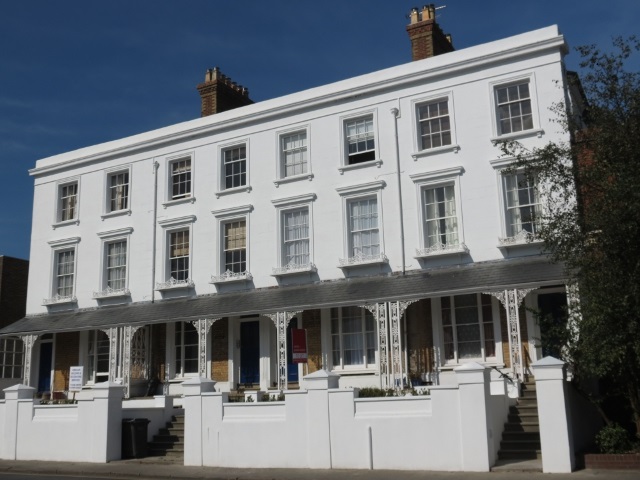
[202, 327]
[511, 300]
[28, 341]
[281, 321]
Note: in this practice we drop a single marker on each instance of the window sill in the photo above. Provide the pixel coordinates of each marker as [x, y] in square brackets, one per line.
[116, 213]
[64, 223]
[370, 163]
[229, 277]
[59, 300]
[435, 151]
[441, 251]
[179, 201]
[534, 132]
[363, 260]
[354, 371]
[293, 178]
[111, 293]
[173, 284]
[293, 270]
[491, 362]
[231, 191]
[522, 239]
[182, 378]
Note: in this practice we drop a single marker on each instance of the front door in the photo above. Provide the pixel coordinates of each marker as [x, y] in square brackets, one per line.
[44, 367]
[250, 352]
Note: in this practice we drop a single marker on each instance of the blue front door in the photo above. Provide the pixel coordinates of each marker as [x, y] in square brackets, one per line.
[250, 352]
[44, 367]
[292, 368]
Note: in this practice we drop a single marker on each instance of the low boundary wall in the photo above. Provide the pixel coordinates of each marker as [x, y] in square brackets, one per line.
[321, 426]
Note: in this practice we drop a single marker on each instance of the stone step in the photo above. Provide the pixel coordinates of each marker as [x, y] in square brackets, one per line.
[528, 394]
[166, 445]
[519, 454]
[522, 427]
[160, 452]
[525, 401]
[524, 409]
[511, 445]
[518, 436]
[168, 438]
[522, 418]
[172, 431]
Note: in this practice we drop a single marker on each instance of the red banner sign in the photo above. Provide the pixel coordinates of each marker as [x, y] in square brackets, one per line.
[299, 345]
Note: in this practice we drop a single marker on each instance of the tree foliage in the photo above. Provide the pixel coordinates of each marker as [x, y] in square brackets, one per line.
[590, 218]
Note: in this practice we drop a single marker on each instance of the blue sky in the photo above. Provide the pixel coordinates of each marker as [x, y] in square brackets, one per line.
[75, 73]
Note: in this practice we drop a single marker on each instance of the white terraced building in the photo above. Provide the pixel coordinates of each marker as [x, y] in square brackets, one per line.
[373, 213]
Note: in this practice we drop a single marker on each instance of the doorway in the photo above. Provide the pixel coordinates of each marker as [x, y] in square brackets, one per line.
[250, 352]
[292, 368]
[44, 367]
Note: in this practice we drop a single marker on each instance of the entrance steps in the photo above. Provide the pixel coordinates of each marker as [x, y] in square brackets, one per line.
[169, 442]
[521, 436]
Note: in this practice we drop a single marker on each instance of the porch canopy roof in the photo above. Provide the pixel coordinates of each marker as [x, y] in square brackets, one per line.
[528, 272]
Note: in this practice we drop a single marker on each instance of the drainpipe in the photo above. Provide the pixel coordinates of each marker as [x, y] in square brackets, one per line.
[154, 228]
[396, 114]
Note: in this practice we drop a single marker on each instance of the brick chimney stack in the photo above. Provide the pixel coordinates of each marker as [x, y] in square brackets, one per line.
[219, 93]
[427, 39]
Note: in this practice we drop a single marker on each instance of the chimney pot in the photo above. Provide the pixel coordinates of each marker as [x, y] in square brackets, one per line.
[414, 15]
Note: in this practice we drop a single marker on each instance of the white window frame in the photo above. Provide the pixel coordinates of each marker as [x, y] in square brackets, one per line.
[523, 238]
[533, 98]
[108, 175]
[11, 358]
[438, 333]
[108, 238]
[60, 185]
[435, 179]
[281, 176]
[169, 226]
[354, 193]
[222, 189]
[344, 121]
[186, 198]
[284, 206]
[173, 373]
[223, 217]
[57, 247]
[327, 335]
[91, 373]
[416, 104]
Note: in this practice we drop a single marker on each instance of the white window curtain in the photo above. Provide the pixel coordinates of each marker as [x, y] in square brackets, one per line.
[365, 236]
[441, 217]
[296, 237]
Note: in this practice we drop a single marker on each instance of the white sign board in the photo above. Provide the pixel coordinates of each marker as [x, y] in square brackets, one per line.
[75, 379]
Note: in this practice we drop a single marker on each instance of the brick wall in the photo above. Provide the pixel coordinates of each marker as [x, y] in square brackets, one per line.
[158, 338]
[14, 274]
[311, 322]
[66, 356]
[220, 350]
[419, 337]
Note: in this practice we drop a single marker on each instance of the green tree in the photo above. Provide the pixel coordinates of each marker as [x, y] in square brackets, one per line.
[590, 217]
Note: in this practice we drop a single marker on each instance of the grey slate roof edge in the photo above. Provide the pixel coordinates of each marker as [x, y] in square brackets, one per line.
[523, 272]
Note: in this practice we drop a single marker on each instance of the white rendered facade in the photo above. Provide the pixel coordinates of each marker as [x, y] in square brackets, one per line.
[304, 189]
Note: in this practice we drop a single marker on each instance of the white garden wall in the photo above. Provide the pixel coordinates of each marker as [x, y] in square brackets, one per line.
[91, 429]
[327, 427]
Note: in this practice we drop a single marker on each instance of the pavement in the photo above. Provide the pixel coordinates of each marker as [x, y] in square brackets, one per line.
[163, 467]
